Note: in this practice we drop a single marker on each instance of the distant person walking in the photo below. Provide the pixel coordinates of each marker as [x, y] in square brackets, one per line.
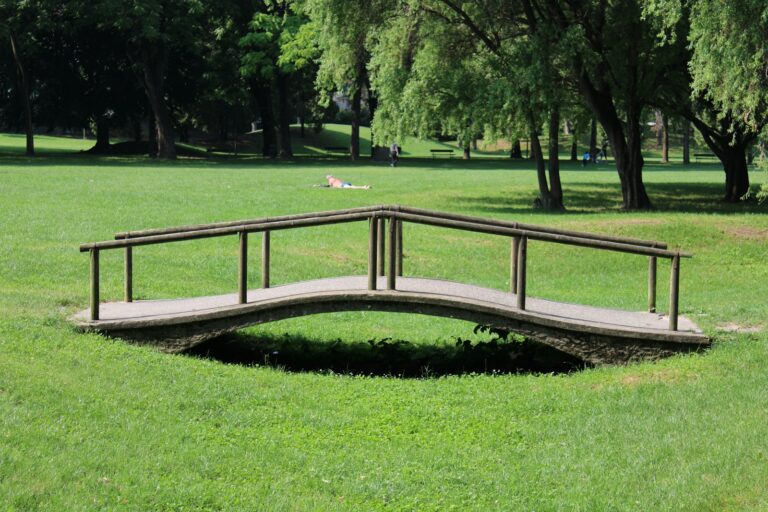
[600, 156]
[394, 154]
[586, 158]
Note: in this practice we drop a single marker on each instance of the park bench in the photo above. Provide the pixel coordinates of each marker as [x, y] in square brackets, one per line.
[336, 149]
[696, 156]
[441, 152]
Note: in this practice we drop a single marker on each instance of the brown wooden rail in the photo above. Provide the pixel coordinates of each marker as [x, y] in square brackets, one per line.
[385, 225]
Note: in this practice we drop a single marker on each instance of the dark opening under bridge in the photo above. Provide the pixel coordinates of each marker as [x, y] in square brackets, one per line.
[596, 335]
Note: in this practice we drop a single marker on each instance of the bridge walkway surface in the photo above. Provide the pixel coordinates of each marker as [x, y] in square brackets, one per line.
[596, 335]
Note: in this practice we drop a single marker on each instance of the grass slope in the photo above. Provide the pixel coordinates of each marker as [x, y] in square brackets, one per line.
[89, 423]
[15, 144]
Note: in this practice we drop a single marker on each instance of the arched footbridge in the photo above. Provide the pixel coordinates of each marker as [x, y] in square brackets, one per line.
[596, 335]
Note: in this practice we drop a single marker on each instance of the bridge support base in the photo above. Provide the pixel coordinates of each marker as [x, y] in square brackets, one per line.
[595, 348]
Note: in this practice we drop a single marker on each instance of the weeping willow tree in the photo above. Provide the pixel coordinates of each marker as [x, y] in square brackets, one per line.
[730, 69]
[434, 76]
[343, 30]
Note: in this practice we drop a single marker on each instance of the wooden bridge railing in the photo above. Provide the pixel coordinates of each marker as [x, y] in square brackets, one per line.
[386, 259]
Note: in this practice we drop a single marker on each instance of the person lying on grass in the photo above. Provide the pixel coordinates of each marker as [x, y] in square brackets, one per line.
[337, 183]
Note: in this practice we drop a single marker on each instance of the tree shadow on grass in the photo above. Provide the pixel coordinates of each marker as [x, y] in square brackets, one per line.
[387, 357]
[586, 197]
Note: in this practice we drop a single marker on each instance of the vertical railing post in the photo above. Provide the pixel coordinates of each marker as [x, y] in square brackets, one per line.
[128, 275]
[399, 264]
[265, 252]
[513, 264]
[674, 292]
[392, 256]
[381, 237]
[94, 284]
[372, 250]
[522, 249]
[652, 264]
[242, 269]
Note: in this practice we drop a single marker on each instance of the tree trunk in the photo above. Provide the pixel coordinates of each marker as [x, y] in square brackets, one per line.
[665, 140]
[264, 98]
[732, 154]
[730, 146]
[223, 123]
[152, 135]
[546, 199]
[633, 189]
[466, 155]
[686, 142]
[626, 147]
[541, 171]
[556, 191]
[284, 109]
[659, 128]
[102, 134]
[27, 101]
[373, 104]
[154, 63]
[736, 174]
[354, 142]
[575, 148]
[302, 112]
[516, 151]
[184, 133]
[593, 139]
[136, 127]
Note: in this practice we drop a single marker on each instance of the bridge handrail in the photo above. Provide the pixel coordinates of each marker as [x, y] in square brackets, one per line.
[405, 209]
[226, 224]
[396, 215]
[543, 236]
[272, 225]
[431, 218]
[530, 227]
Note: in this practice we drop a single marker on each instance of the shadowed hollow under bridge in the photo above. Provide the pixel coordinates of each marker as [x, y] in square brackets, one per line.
[596, 335]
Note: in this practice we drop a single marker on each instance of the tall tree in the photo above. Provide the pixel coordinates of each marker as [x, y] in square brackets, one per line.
[619, 63]
[730, 57]
[433, 69]
[613, 54]
[343, 28]
[20, 24]
[156, 33]
[441, 93]
[730, 69]
[278, 46]
[717, 41]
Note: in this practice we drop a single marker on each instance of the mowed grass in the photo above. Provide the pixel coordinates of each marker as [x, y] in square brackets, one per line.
[91, 423]
[332, 135]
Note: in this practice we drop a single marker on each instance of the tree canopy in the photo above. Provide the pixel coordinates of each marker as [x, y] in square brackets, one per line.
[460, 69]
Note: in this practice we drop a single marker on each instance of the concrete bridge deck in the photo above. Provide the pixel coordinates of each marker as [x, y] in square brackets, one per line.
[596, 335]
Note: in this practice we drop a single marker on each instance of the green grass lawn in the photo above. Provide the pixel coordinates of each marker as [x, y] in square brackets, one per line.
[337, 135]
[315, 144]
[91, 423]
[15, 144]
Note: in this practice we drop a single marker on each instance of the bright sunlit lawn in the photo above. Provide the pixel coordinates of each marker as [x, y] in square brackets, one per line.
[91, 423]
